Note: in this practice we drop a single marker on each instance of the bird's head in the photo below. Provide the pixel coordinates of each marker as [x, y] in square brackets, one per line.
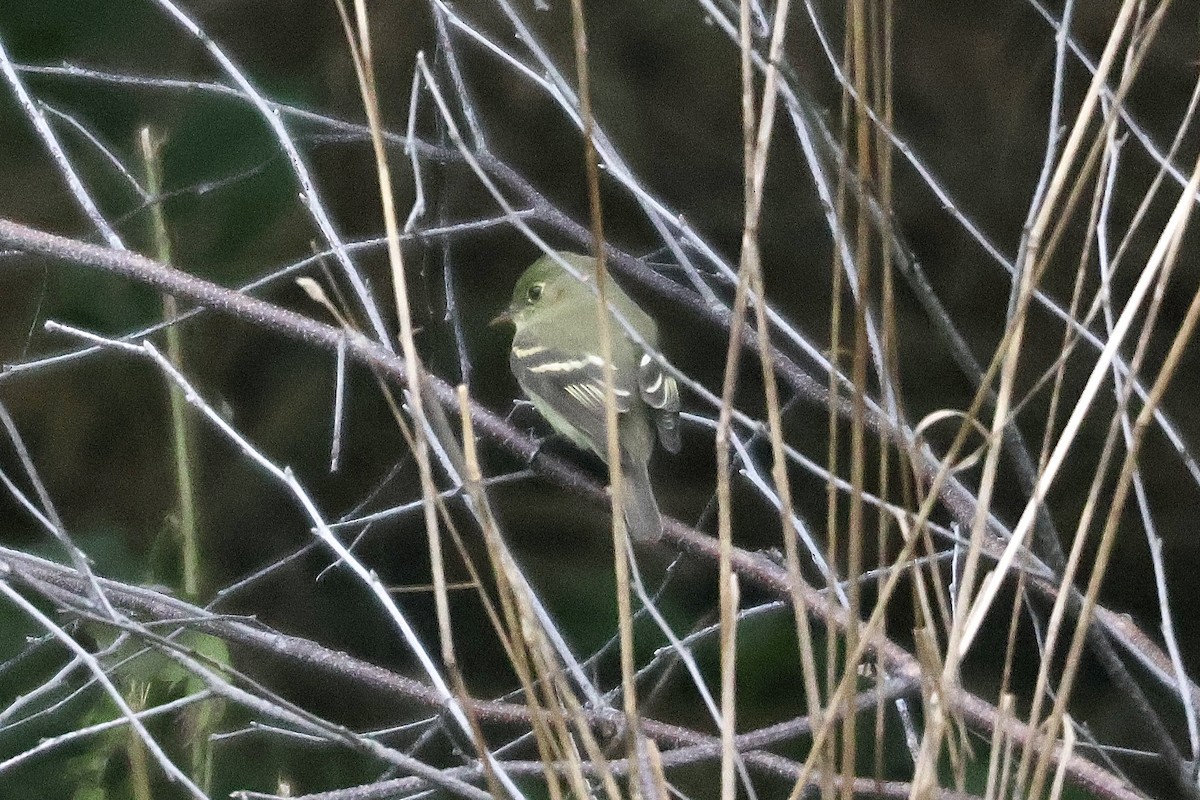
[542, 286]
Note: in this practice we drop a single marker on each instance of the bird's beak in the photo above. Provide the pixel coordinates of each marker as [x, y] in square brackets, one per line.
[503, 318]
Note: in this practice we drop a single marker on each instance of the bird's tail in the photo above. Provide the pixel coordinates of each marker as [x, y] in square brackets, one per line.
[641, 509]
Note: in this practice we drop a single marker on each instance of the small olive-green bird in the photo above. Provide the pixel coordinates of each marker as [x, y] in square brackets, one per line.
[556, 360]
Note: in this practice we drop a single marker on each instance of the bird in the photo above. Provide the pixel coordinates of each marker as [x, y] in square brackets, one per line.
[557, 360]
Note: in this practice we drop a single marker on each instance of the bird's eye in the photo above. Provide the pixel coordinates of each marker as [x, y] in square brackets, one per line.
[535, 293]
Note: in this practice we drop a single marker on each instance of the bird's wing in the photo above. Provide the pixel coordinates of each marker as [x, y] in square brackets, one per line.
[559, 377]
[661, 392]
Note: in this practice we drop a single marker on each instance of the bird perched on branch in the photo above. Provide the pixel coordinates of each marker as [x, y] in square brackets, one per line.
[556, 358]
